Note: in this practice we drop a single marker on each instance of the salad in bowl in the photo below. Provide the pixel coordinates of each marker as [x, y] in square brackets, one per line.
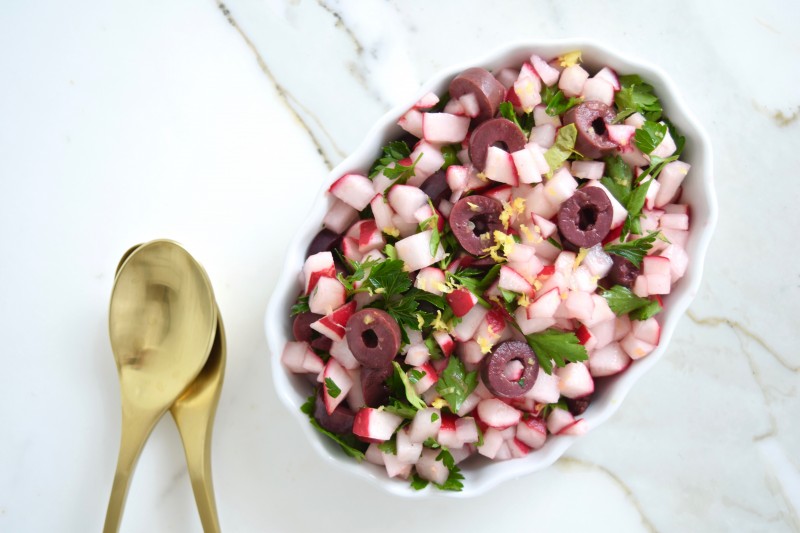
[482, 286]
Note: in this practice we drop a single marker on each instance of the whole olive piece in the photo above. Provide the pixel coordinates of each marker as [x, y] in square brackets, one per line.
[488, 92]
[584, 219]
[474, 220]
[493, 132]
[374, 337]
[591, 120]
[493, 369]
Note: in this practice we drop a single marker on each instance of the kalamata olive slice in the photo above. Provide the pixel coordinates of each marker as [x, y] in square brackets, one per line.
[374, 337]
[340, 421]
[324, 241]
[373, 385]
[590, 119]
[492, 132]
[474, 220]
[488, 92]
[622, 272]
[436, 187]
[301, 328]
[578, 405]
[493, 369]
[584, 219]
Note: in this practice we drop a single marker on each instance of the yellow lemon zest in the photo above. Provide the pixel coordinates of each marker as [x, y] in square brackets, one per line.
[564, 295]
[537, 284]
[482, 176]
[524, 301]
[420, 321]
[438, 403]
[445, 288]
[391, 231]
[438, 324]
[579, 259]
[485, 345]
[517, 207]
[570, 59]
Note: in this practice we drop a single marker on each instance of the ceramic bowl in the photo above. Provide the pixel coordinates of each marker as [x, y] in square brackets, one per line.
[698, 190]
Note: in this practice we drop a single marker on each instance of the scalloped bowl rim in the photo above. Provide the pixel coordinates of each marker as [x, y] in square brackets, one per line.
[483, 476]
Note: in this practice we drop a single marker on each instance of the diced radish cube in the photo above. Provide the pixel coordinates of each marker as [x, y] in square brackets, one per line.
[544, 135]
[622, 326]
[431, 161]
[428, 379]
[492, 441]
[541, 117]
[415, 251]
[461, 301]
[382, 212]
[532, 431]
[622, 134]
[318, 266]
[335, 376]
[545, 306]
[429, 468]
[575, 381]
[444, 127]
[466, 430]
[579, 305]
[374, 425]
[527, 89]
[469, 404]
[666, 147]
[659, 283]
[425, 425]
[671, 177]
[655, 265]
[430, 279]
[412, 122]
[601, 313]
[526, 167]
[506, 76]
[370, 237]
[500, 166]
[457, 177]
[598, 90]
[465, 329]
[531, 325]
[454, 107]
[470, 105]
[333, 324]
[678, 261]
[374, 454]
[407, 451]
[572, 80]
[674, 221]
[602, 333]
[328, 294]
[511, 280]
[339, 217]
[618, 212]
[640, 287]
[394, 467]
[405, 200]
[577, 428]
[590, 170]
[548, 74]
[498, 414]
[427, 101]
[609, 76]
[609, 360]
[544, 227]
[447, 433]
[636, 120]
[558, 420]
[293, 355]
[417, 354]
[635, 348]
[647, 330]
[560, 187]
[353, 189]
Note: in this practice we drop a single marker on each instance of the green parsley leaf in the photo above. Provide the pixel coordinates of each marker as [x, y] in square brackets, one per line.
[646, 311]
[455, 478]
[301, 306]
[633, 251]
[359, 271]
[548, 408]
[622, 301]
[333, 390]
[411, 394]
[619, 178]
[415, 375]
[348, 443]
[680, 140]
[455, 383]
[434, 417]
[564, 146]
[417, 483]
[636, 96]
[393, 152]
[430, 442]
[389, 446]
[388, 278]
[433, 349]
[401, 173]
[561, 347]
[557, 103]
[555, 243]
[403, 410]
[634, 206]
[390, 251]
[525, 124]
[649, 136]
[450, 153]
[432, 223]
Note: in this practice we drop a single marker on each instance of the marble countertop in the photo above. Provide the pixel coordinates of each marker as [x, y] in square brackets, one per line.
[214, 124]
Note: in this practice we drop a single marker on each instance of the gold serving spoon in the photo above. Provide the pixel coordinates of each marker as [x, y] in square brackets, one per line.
[194, 413]
[162, 324]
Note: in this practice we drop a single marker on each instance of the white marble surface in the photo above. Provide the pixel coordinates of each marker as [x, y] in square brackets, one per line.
[214, 125]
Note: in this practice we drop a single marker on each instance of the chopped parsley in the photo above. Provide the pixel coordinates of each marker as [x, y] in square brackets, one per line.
[411, 395]
[636, 96]
[417, 483]
[455, 383]
[564, 147]
[333, 390]
[649, 136]
[556, 346]
[622, 301]
[301, 306]
[455, 478]
[526, 124]
[450, 154]
[394, 152]
[634, 251]
[557, 103]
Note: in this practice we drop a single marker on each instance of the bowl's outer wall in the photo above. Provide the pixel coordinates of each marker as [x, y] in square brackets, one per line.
[697, 190]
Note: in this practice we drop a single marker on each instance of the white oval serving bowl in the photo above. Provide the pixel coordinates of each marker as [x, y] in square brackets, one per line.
[480, 474]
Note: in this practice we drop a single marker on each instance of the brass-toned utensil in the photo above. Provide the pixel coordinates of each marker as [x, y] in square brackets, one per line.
[162, 324]
[194, 413]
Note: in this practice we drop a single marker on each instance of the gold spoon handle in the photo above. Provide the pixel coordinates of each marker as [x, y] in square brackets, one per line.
[135, 432]
[195, 424]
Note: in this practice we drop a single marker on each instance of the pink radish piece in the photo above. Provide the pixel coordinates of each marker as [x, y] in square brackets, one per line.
[621, 134]
[609, 76]
[498, 414]
[339, 217]
[444, 128]
[415, 251]
[608, 360]
[598, 90]
[425, 425]
[511, 280]
[635, 348]
[353, 189]
[548, 74]
[558, 420]
[412, 123]
[374, 425]
[430, 279]
[500, 167]
[328, 294]
[575, 381]
[293, 355]
[340, 378]
[431, 469]
[670, 179]
[572, 80]
[533, 432]
[333, 324]
[427, 101]
[318, 266]
[405, 200]
[408, 452]
[461, 301]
